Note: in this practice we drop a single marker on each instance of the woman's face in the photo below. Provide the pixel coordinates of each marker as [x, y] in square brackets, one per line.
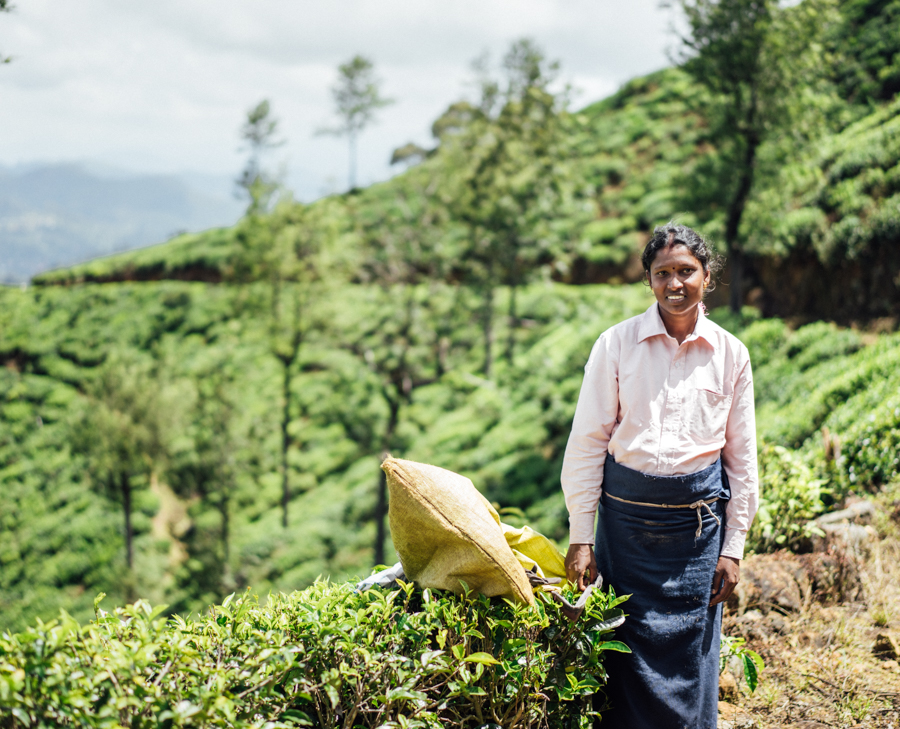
[677, 279]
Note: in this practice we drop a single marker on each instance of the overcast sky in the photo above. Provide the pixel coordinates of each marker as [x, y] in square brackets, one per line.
[163, 86]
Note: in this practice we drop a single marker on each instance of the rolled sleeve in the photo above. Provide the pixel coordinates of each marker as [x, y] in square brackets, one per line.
[595, 418]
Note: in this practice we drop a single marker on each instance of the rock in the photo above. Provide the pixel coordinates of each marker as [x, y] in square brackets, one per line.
[860, 512]
[783, 583]
[834, 575]
[890, 665]
[855, 537]
[776, 580]
[810, 638]
[887, 646]
[728, 688]
[729, 718]
[751, 626]
[847, 529]
[778, 622]
[727, 711]
[895, 514]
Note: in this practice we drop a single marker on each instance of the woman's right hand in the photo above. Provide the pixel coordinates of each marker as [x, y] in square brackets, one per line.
[580, 560]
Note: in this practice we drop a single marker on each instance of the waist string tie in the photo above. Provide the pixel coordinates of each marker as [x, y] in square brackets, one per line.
[698, 506]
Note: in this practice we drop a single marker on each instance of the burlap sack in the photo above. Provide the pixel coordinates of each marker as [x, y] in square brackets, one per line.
[446, 532]
[534, 551]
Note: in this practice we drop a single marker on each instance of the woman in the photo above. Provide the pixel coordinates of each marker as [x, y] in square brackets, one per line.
[663, 452]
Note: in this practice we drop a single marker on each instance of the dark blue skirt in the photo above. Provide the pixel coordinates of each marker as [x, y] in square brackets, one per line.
[671, 679]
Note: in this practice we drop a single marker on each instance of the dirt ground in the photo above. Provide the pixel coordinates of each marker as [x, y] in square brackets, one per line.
[835, 664]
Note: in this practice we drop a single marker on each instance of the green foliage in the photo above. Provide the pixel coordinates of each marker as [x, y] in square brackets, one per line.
[867, 49]
[733, 321]
[329, 332]
[633, 147]
[842, 202]
[743, 53]
[751, 662]
[208, 520]
[507, 180]
[823, 183]
[790, 499]
[821, 391]
[5, 7]
[259, 132]
[322, 657]
[356, 98]
[869, 454]
[764, 338]
[819, 371]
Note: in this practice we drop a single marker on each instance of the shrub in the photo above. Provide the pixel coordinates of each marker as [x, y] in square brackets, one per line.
[871, 454]
[764, 338]
[790, 498]
[324, 657]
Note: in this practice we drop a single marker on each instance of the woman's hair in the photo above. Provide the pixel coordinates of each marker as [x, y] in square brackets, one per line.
[672, 234]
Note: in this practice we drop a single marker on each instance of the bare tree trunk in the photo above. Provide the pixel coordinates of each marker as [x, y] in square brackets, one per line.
[380, 514]
[752, 140]
[225, 511]
[732, 228]
[736, 300]
[442, 349]
[285, 442]
[513, 325]
[381, 505]
[352, 171]
[125, 486]
[487, 324]
[287, 359]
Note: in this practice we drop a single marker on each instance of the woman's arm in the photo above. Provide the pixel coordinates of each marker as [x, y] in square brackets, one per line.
[582, 472]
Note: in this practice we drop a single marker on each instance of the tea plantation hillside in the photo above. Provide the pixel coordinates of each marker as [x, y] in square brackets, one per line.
[823, 213]
[203, 358]
[189, 375]
[186, 420]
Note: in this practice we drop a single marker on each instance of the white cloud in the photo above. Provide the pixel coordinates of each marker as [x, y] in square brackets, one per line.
[163, 87]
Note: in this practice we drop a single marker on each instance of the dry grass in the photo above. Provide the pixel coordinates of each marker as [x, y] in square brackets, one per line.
[821, 670]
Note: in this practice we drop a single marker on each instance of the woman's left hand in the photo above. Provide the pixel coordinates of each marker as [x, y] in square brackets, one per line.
[728, 574]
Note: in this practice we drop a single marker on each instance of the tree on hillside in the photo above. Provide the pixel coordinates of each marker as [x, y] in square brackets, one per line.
[754, 58]
[280, 250]
[260, 135]
[356, 99]
[392, 342]
[509, 178]
[407, 243]
[120, 431]
[405, 340]
[5, 7]
[866, 48]
[203, 463]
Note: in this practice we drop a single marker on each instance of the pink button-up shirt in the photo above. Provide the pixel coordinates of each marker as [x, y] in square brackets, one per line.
[667, 410]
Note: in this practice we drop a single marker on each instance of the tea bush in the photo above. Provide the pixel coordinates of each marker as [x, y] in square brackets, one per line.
[871, 456]
[812, 378]
[790, 499]
[324, 657]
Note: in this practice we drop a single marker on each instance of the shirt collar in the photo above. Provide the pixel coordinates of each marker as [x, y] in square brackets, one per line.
[652, 325]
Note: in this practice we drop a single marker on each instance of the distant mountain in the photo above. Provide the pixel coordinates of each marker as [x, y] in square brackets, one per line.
[59, 215]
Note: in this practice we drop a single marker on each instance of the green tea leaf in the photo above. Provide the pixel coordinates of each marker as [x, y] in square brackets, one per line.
[614, 645]
[483, 658]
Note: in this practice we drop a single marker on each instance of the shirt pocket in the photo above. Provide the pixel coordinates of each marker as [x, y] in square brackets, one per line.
[708, 415]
